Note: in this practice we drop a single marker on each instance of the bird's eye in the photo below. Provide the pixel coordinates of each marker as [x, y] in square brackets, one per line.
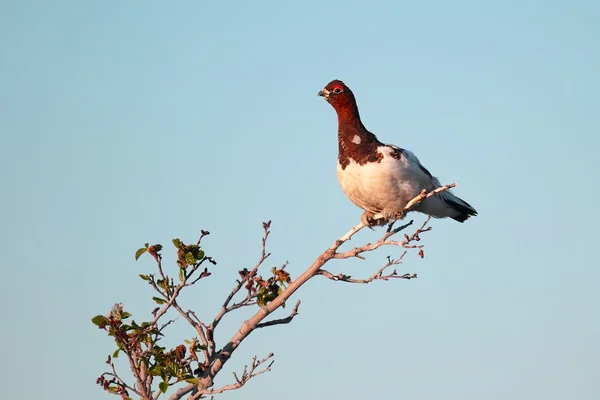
[337, 90]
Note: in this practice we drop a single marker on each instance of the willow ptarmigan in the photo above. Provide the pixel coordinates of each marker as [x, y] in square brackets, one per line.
[383, 178]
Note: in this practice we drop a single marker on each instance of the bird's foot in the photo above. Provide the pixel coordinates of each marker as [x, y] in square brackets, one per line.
[368, 219]
[391, 215]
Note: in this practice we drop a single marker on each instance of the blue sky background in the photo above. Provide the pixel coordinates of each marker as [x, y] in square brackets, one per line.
[140, 121]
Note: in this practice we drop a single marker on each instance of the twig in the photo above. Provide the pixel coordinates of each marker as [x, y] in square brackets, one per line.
[241, 380]
[120, 381]
[376, 276]
[280, 321]
[198, 326]
[355, 252]
[225, 308]
[202, 234]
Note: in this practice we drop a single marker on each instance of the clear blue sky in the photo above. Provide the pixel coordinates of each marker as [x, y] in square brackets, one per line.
[141, 121]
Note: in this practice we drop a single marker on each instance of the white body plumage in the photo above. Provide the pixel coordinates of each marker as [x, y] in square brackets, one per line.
[388, 185]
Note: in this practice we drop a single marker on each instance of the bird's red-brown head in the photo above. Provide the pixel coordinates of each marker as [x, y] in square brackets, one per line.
[355, 141]
[342, 100]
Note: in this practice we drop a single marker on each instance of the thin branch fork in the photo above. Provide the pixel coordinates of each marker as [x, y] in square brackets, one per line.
[355, 252]
[118, 379]
[225, 308]
[241, 380]
[172, 296]
[376, 276]
[281, 321]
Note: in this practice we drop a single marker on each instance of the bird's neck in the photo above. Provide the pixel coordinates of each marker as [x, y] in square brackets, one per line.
[355, 142]
[351, 131]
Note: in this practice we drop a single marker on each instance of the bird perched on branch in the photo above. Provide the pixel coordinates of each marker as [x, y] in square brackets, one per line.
[383, 178]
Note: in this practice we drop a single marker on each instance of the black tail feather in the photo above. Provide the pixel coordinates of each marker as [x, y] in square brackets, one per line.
[464, 211]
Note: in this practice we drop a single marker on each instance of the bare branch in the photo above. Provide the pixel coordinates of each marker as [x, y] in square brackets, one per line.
[183, 391]
[281, 321]
[193, 320]
[240, 381]
[376, 276]
[118, 379]
[202, 234]
[355, 252]
[225, 308]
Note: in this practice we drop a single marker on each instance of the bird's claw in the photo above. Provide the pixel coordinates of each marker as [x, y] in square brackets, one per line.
[387, 217]
[368, 219]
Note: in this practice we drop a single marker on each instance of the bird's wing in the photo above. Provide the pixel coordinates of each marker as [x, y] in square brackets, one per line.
[413, 162]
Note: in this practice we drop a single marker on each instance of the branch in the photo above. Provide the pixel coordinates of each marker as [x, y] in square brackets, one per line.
[355, 252]
[225, 308]
[193, 320]
[118, 379]
[207, 377]
[171, 297]
[245, 377]
[376, 276]
[281, 321]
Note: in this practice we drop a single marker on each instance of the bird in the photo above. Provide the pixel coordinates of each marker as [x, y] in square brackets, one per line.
[382, 178]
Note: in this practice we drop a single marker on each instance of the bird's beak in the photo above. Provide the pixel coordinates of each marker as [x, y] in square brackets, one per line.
[324, 93]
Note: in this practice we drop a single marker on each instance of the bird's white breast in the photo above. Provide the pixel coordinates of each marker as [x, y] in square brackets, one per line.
[388, 184]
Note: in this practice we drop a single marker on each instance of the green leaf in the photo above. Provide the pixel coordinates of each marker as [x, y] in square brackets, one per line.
[260, 298]
[155, 370]
[116, 353]
[158, 300]
[176, 242]
[163, 283]
[187, 341]
[189, 258]
[157, 247]
[145, 277]
[193, 381]
[200, 255]
[163, 386]
[99, 320]
[181, 274]
[140, 252]
[125, 315]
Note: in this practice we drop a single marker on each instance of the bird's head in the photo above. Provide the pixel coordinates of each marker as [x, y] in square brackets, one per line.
[338, 95]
